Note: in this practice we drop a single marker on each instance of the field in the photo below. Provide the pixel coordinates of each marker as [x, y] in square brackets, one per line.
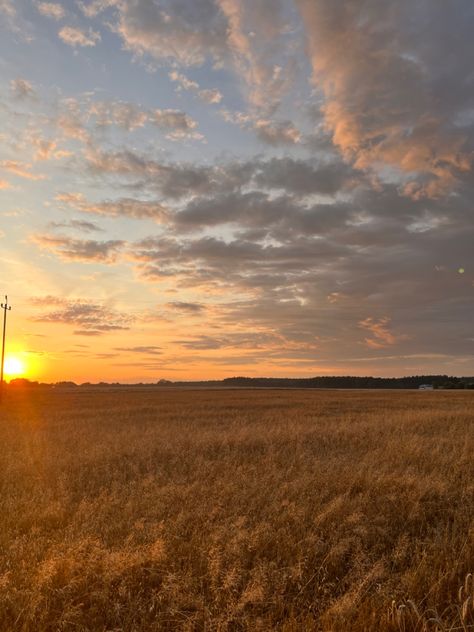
[236, 510]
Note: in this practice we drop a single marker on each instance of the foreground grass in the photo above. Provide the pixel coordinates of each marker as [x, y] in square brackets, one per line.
[237, 510]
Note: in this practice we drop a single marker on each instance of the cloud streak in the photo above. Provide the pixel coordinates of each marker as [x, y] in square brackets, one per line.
[85, 250]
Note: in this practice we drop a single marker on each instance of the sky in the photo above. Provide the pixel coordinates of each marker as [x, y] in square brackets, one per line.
[196, 189]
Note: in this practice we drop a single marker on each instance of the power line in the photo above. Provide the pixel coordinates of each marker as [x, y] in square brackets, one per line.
[6, 308]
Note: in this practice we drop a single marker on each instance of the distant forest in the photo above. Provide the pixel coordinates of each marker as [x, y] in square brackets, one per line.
[413, 382]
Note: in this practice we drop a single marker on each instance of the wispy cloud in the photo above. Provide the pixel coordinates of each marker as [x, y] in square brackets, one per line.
[22, 89]
[52, 10]
[21, 170]
[381, 334]
[77, 224]
[86, 250]
[7, 8]
[91, 317]
[132, 208]
[209, 95]
[73, 36]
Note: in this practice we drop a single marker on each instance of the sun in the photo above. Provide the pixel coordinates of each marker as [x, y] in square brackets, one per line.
[13, 367]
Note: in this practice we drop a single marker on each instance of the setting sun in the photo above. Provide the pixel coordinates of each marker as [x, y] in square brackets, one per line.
[13, 367]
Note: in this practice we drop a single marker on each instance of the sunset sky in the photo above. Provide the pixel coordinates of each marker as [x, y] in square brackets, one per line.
[207, 188]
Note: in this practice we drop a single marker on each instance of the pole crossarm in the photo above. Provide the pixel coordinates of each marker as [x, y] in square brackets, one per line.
[5, 305]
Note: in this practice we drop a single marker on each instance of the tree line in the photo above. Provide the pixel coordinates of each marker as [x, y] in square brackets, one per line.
[349, 381]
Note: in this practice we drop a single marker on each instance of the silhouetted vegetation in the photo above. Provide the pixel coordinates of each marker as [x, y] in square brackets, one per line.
[349, 381]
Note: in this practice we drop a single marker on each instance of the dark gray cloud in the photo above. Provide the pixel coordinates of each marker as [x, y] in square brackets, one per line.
[91, 318]
[175, 181]
[172, 180]
[303, 177]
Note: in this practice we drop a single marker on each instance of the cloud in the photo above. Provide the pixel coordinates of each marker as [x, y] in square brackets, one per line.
[46, 301]
[87, 332]
[181, 124]
[182, 306]
[87, 251]
[187, 32]
[172, 180]
[125, 115]
[254, 346]
[74, 37]
[20, 169]
[4, 185]
[82, 118]
[71, 120]
[303, 177]
[22, 89]
[45, 149]
[146, 350]
[381, 335]
[299, 178]
[92, 318]
[209, 95]
[251, 37]
[52, 10]
[243, 209]
[77, 224]
[282, 133]
[7, 8]
[384, 69]
[269, 131]
[255, 39]
[132, 208]
[94, 7]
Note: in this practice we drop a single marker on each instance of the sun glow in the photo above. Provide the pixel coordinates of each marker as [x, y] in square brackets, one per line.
[14, 367]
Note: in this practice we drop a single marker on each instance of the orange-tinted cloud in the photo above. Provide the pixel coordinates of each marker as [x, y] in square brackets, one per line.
[380, 80]
[20, 169]
[85, 250]
[381, 335]
[73, 36]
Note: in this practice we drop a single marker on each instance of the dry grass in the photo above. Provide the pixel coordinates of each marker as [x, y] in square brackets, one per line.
[237, 510]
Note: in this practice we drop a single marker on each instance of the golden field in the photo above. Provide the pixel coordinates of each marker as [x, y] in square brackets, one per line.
[155, 509]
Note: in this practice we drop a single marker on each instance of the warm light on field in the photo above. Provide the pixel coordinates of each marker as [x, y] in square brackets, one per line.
[262, 509]
[14, 367]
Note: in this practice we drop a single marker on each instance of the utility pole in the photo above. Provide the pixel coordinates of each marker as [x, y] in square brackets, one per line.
[6, 308]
